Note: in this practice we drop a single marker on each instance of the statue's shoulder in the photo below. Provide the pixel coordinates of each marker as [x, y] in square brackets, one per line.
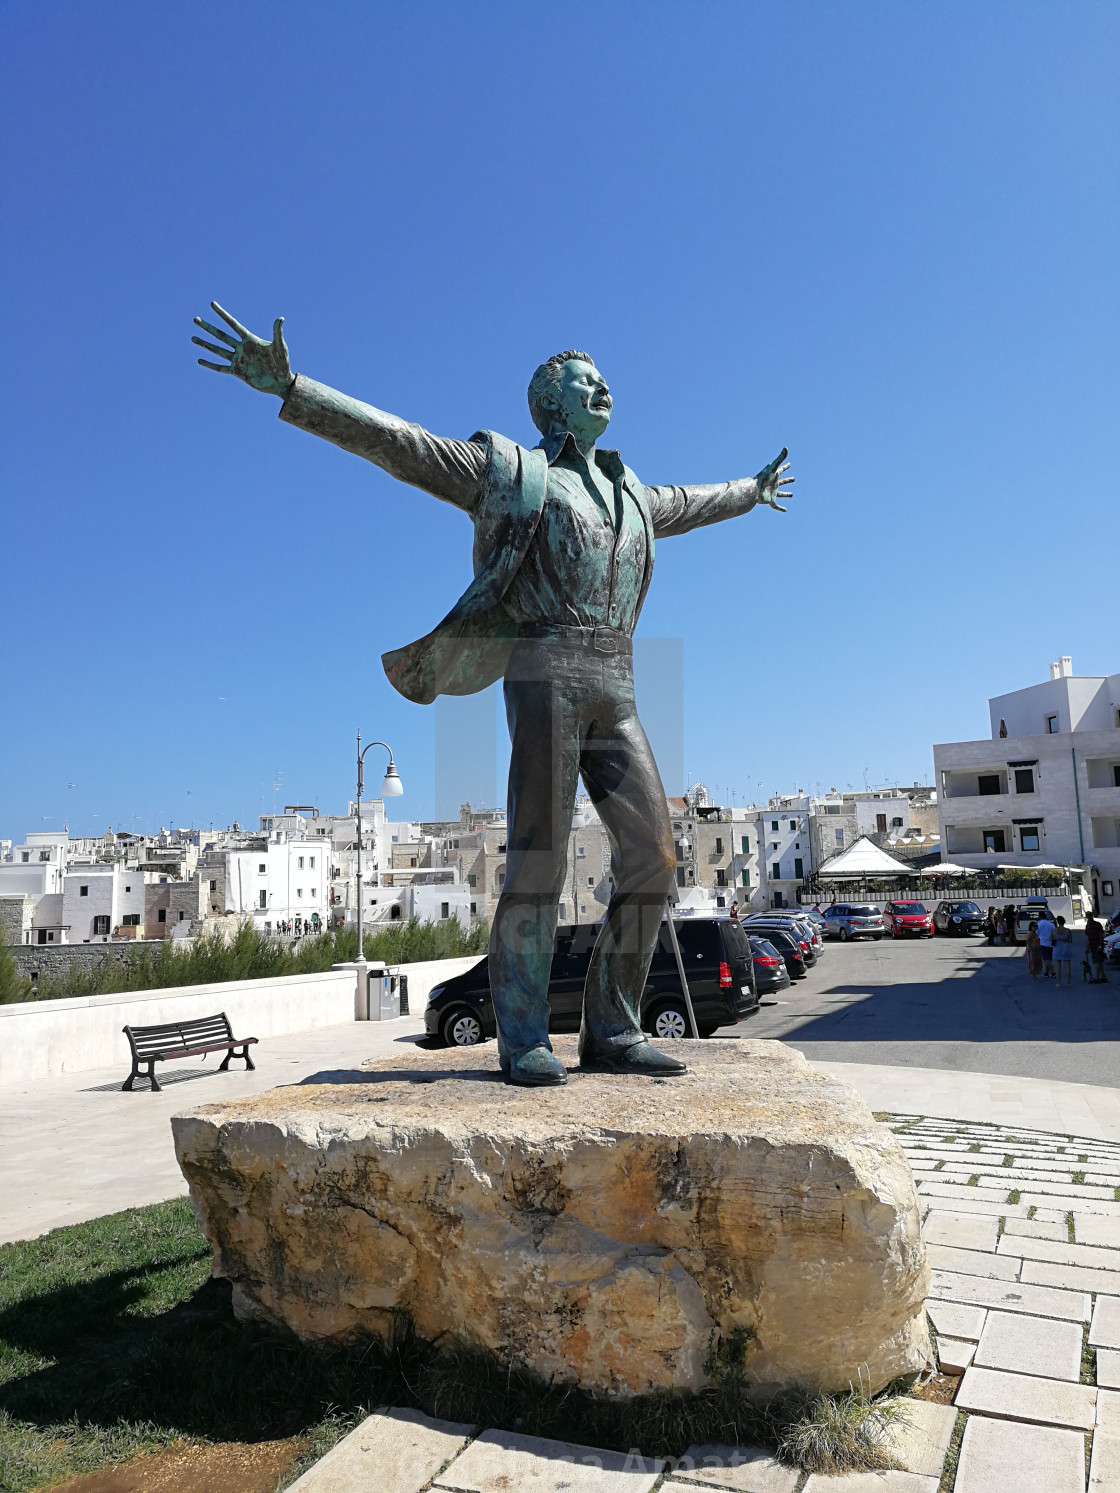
[508, 461]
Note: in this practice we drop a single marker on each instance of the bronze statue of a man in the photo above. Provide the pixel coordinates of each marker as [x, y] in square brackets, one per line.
[563, 554]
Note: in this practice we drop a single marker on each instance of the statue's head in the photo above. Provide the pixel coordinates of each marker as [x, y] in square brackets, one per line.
[570, 392]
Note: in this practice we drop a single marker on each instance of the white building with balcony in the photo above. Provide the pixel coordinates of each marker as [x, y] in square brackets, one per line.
[1044, 789]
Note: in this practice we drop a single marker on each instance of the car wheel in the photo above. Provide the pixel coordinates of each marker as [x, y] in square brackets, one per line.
[844, 935]
[461, 1029]
[670, 1021]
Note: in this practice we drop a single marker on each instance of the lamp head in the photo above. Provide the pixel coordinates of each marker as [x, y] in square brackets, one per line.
[391, 785]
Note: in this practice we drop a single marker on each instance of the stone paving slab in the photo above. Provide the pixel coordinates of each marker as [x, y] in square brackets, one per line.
[965, 1322]
[973, 1262]
[1010, 1296]
[1063, 1205]
[1059, 1253]
[961, 1230]
[871, 1482]
[1105, 1331]
[1104, 1469]
[1088, 1228]
[1030, 1345]
[973, 1206]
[1000, 1456]
[1033, 1228]
[1048, 1402]
[920, 1444]
[393, 1451]
[934, 1189]
[1108, 1409]
[744, 1469]
[1071, 1192]
[1070, 1277]
[503, 1462]
[954, 1356]
[1108, 1368]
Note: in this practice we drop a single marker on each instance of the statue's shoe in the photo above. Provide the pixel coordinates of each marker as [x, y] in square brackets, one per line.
[641, 1059]
[536, 1069]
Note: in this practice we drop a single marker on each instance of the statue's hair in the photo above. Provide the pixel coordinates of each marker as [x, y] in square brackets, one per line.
[546, 380]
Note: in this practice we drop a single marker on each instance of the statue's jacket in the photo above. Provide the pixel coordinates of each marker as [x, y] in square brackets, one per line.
[503, 487]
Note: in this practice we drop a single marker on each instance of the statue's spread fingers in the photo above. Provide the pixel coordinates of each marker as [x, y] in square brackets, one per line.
[217, 367]
[214, 331]
[278, 332]
[781, 456]
[223, 352]
[245, 332]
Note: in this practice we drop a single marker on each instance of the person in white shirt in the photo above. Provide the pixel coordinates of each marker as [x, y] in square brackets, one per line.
[1063, 952]
[1046, 939]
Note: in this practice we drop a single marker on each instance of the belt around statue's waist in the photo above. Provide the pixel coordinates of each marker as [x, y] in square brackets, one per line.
[601, 639]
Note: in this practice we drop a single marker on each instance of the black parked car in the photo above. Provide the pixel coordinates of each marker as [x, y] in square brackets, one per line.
[793, 932]
[770, 973]
[788, 946]
[957, 917]
[717, 959]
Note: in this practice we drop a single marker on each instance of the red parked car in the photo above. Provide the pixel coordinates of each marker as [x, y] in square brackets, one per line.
[908, 918]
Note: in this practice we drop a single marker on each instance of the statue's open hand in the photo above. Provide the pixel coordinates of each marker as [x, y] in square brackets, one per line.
[263, 365]
[772, 485]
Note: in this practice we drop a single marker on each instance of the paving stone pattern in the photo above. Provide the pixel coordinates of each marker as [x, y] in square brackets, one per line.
[1023, 1233]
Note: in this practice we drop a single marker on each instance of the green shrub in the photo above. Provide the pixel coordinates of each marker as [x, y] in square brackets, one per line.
[13, 985]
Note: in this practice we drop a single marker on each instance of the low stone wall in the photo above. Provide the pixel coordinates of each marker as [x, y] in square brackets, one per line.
[55, 961]
[41, 1039]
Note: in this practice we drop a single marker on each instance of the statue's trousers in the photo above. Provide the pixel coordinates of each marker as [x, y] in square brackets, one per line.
[569, 696]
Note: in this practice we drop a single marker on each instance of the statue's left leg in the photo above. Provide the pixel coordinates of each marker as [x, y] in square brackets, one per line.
[618, 767]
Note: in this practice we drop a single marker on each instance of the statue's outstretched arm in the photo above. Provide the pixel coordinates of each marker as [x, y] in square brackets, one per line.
[675, 510]
[449, 469]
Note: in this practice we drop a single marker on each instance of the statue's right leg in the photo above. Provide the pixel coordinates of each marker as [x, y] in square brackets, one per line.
[543, 774]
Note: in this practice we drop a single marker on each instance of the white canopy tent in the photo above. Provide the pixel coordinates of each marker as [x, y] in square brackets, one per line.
[947, 868]
[863, 861]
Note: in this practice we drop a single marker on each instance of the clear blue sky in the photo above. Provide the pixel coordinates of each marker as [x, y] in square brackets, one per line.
[884, 235]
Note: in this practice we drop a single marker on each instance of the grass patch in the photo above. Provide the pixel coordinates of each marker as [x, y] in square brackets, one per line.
[974, 1180]
[1069, 1228]
[1031, 1211]
[1088, 1358]
[1079, 1178]
[1007, 1161]
[251, 955]
[953, 1455]
[975, 1146]
[1013, 1197]
[939, 1165]
[114, 1340]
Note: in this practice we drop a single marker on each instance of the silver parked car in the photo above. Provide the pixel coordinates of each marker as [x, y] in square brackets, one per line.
[845, 920]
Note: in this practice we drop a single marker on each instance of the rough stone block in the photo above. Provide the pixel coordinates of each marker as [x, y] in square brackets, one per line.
[1104, 1469]
[1089, 1228]
[1048, 1402]
[745, 1469]
[973, 1262]
[1000, 1456]
[1108, 1368]
[961, 1230]
[606, 1233]
[920, 1443]
[1105, 1331]
[954, 1356]
[501, 1462]
[394, 1451]
[1031, 1345]
[1011, 1296]
[957, 1321]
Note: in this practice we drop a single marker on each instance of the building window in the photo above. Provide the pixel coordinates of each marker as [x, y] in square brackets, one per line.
[502, 848]
[1106, 886]
[299, 894]
[182, 916]
[719, 845]
[776, 870]
[132, 920]
[301, 863]
[798, 867]
[101, 923]
[881, 824]
[746, 845]
[1024, 780]
[314, 893]
[896, 823]
[471, 879]
[311, 865]
[25, 856]
[839, 833]
[1116, 773]
[773, 825]
[988, 783]
[263, 899]
[445, 909]
[474, 909]
[581, 850]
[412, 860]
[1052, 725]
[721, 877]
[213, 886]
[993, 841]
[591, 881]
[83, 891]
[1028, 839]
[746, 878]
[793, 826]
[261, 869]
[680, 876]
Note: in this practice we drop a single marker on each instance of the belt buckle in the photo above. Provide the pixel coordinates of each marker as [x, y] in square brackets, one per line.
[605, 640]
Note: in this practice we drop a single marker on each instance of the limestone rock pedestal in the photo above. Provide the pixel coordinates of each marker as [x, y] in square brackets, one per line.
[609, 1233]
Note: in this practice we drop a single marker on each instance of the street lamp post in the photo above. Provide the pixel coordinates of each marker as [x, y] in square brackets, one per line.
[391, 787]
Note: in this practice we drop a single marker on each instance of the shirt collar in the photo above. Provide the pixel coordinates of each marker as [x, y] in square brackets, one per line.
[556, 443]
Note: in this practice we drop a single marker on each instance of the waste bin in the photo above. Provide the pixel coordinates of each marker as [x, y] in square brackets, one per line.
[383, 997]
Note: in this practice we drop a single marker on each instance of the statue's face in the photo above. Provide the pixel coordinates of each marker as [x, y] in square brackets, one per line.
[583, 403]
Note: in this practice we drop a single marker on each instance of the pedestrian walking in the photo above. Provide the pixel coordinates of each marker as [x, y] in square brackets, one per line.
[1034, 951]
[1094, 938]
[1063, 952]
[734, 912]
[1001, 928]
[1010, 914]
[990, 927]
[1046, 939]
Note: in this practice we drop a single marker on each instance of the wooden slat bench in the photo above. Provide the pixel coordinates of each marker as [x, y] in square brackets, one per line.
[183, 1039]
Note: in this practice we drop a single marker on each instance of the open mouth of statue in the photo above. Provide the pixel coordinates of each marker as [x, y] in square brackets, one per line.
[602, 402]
